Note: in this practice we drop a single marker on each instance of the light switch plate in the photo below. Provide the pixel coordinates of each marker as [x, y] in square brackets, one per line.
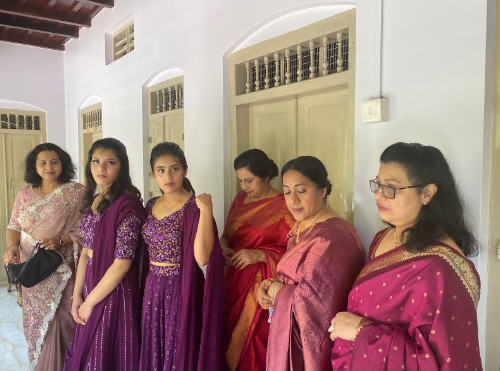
[374, 110]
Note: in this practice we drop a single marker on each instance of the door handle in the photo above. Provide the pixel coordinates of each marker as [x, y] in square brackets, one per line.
[498, 251]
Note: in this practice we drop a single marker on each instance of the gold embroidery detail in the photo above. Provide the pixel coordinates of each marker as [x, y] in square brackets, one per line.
[433, 332]
[460, 265]
[469, 323]
[414, 355]
[426, 356]
[395, 348]
[452, 338]
[425, 294]
[448, 360]
[438, 273]
[364, 355]
[378, 306]
[467, 345]
[438, 311]
[383, 284]
[452, 318]
[380, 350]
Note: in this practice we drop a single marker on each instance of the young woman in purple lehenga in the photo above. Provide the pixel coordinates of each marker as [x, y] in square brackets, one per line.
[105, 297]
[182, 311]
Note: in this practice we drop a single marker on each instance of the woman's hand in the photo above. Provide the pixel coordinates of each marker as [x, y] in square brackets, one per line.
[345, 325]
[12, 255]
[265, 300]
[77, 302]
[228, 254]
[50, 243]
[204, 202]
[245, 257]
[85, 310]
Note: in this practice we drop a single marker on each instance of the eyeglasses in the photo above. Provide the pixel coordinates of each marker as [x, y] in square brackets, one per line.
[388, 191]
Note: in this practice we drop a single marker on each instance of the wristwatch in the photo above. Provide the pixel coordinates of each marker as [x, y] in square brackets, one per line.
[61, 242]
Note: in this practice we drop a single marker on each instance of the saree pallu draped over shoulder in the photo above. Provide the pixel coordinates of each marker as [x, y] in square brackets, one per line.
[423, 309]
[318, 272]
[260, 225]
[47, 323]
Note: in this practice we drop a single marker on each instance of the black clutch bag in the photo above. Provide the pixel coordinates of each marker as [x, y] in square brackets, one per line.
[36, 268]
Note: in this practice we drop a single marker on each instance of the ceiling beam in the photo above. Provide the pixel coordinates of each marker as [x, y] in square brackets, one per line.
[102, 3]
[21, 40]
[48, 28]
[43, 15]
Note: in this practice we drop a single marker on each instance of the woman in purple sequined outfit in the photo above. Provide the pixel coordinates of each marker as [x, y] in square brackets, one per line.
[182, 312]
[105, 297]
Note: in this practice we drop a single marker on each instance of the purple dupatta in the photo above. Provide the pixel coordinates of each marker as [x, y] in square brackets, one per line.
[199, 335]
[103, 253]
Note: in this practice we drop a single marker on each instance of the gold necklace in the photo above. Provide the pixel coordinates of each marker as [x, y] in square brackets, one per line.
[167, 209]
[299, 228]
[397, 242]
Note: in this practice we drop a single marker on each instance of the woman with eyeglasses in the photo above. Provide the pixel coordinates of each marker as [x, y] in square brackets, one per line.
[413, 306]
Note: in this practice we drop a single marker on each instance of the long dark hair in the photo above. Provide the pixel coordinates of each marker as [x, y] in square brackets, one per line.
[172, 149]
[312, 168]
[257, 162]
[122, 184]
[31, 176]
[445, 214]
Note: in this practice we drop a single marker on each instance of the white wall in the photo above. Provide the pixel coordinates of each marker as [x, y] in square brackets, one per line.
[433, 72]
[34, 76]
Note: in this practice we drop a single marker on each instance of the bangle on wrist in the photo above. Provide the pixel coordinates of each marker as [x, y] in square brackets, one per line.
[14, 244]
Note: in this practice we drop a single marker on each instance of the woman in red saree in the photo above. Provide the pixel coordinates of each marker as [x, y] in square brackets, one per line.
[255, 239]
[413, 306]
[323, 258]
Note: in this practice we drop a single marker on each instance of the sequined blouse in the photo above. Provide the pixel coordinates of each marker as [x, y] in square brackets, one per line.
[127, 235]
[164, 236]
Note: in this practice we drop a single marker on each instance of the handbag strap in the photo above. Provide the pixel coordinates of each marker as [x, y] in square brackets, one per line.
[28, 260]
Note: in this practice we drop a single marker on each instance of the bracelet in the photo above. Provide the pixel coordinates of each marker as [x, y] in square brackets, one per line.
[14, 244]
[272, 291]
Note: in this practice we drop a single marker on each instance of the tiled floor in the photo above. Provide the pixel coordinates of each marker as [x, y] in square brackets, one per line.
[13, 346]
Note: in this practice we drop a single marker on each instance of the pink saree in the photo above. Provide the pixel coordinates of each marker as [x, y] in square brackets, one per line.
[47, 321]
[318, 272]
[423, 308]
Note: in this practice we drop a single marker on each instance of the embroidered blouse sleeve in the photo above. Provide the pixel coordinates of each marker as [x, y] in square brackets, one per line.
[14, 220]
[127, 236]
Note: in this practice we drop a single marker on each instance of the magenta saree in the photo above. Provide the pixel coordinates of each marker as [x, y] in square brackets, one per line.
[318, 272]
[423, 308]
[47, 321]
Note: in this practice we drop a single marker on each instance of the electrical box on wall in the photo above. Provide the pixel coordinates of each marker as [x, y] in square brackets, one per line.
[374, 110]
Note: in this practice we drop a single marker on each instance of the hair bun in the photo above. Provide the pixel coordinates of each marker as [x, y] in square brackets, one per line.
[274, 169]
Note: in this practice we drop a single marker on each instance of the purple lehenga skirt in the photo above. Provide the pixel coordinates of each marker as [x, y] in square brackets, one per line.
[115, 346]
[159, 318]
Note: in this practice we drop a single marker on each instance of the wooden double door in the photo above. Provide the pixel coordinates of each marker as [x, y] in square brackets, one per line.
[314, 125]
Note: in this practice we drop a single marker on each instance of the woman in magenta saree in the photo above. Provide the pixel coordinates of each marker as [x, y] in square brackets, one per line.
[256, 227]
[413, 306]
[314, 276]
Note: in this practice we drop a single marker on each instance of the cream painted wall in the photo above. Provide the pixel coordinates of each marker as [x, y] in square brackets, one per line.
[35, 77]
[433, 72]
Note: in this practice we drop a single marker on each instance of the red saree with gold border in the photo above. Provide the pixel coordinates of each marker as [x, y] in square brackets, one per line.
[318, 273]
[423, 308]
[261, 225]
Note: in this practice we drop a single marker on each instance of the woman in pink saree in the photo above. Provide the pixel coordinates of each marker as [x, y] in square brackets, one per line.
[413, 306]
[323, 258]
[46, 210]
